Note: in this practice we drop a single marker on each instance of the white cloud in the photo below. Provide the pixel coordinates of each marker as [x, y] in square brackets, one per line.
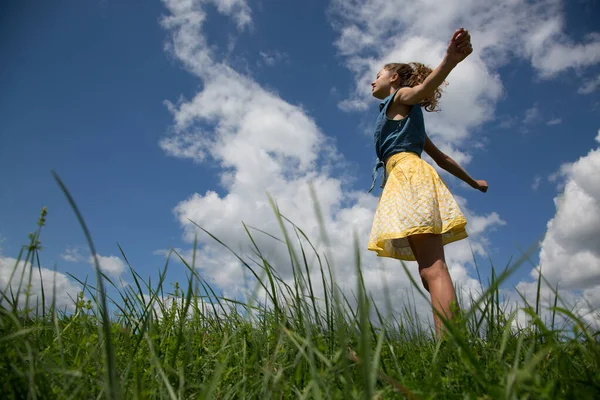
[110, 265]
[584, 304]
[73, 254]
[536, 182]
[532, 115]
[265, 145]
[236, 9]
[185, 25]
[508, 121]
[166, 252]
[272, 58]
[589, 86]
[561, 54]
[570, 250]
[554, 121]
[10, 278]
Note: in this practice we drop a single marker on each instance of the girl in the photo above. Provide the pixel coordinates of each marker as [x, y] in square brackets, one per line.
[417, 214]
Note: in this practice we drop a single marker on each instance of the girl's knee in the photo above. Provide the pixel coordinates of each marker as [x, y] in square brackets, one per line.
[433, 272]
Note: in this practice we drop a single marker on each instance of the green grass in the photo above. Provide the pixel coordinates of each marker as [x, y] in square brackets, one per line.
[153, 341]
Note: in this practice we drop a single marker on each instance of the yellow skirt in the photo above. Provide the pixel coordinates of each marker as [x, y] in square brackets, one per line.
[415, 200]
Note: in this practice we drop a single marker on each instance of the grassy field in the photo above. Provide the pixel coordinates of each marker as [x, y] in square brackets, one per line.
[152, 341]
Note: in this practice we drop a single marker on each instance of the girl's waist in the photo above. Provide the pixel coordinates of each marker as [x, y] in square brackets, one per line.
[402, 156]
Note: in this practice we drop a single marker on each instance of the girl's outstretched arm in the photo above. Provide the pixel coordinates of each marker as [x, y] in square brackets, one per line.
[446, 162]
[458, 49]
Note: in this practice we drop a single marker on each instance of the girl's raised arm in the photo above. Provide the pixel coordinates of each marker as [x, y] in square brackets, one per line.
[458, 49]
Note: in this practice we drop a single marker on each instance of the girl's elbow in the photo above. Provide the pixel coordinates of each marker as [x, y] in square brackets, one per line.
[444, 162]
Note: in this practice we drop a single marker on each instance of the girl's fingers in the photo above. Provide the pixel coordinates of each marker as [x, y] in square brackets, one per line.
[461, 33]
[463, 39]
[465, 50]
[463, 44]
[457, 33]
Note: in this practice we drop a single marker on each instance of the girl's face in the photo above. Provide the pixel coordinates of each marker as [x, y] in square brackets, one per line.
[382, 85]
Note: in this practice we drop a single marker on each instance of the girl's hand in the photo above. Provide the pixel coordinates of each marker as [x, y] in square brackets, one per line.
[481, 185]
[459, 47]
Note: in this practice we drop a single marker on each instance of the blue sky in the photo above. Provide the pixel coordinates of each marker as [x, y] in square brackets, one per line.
[92, 90]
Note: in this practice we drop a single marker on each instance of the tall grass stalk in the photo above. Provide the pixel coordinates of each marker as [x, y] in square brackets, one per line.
[297, 336]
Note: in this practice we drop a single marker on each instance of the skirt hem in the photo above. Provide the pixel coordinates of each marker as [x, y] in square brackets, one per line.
[455, 232]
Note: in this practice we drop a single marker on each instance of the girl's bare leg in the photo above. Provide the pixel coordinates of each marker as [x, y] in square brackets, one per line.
[429, 252]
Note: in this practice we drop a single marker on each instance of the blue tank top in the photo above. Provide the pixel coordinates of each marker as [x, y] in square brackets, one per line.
[391, 137]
